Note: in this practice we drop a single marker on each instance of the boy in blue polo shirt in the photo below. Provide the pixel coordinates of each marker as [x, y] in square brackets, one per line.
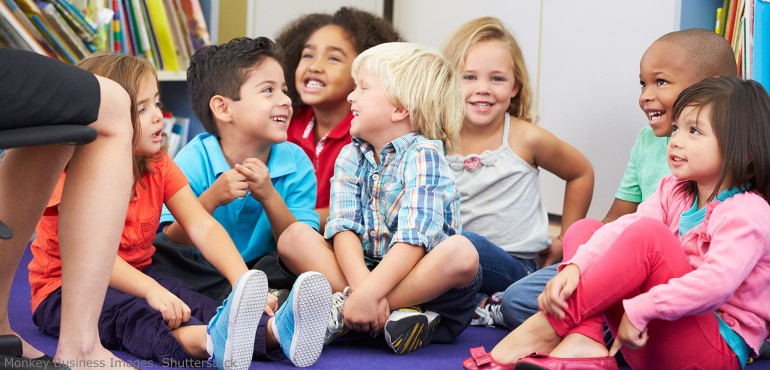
[242, 169]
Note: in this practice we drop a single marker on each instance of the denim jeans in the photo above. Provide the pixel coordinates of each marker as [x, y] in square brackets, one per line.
[499, 268]
[520, 299]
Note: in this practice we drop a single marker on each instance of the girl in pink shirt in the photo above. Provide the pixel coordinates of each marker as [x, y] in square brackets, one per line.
[681, 282]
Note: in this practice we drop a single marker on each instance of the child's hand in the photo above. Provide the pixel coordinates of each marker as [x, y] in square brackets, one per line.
[229, 185]
[383, 313]
[258, 178]
[628, 336]
[553, 300]
[553, 254]
[361, 313]
[174, 311]
[272, 305]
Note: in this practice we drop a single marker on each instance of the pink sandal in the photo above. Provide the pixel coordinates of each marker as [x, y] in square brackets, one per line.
[480, 359]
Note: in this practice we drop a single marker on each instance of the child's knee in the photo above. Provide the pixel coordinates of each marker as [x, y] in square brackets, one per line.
[296, 234]
[461, 257]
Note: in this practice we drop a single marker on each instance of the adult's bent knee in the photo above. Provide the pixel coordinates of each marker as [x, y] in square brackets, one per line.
[114, 110]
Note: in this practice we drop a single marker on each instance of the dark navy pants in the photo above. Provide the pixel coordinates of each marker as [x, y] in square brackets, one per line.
[129, 324]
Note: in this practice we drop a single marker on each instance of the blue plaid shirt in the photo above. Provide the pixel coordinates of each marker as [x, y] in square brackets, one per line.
[410, 197]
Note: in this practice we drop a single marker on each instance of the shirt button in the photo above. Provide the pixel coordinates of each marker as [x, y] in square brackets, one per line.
[375, 177]
[371, 206]
[373, 233]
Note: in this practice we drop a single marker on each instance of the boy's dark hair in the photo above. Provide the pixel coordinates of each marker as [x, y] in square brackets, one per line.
[363, 29]
[709, 54]
[740, 116]
[222, 70]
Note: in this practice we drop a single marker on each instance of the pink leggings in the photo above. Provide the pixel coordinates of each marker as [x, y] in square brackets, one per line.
[645, 254]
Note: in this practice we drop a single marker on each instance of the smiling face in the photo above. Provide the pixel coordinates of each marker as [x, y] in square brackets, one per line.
[264, 110]
[150, 117]
[372, 110]
[663, 74]
[693, 151]
[323, 76]
[488, 83]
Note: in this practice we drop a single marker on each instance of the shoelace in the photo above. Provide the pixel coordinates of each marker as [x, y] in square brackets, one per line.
[338, 301]
[495, 313]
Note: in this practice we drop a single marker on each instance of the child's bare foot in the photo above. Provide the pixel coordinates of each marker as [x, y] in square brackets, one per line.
[579, 346]
[534, 335]
[98, 358]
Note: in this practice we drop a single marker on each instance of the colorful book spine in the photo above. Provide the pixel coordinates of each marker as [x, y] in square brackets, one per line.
[58, 25]
[117, 38]
[196, 24]
[23, 33]
[26, 23]
[160, 22]
[63, 51]
[718, 24]
[151, 36]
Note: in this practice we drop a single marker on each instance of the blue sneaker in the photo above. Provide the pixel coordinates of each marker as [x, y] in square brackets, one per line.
[231, 331]
[300, 324]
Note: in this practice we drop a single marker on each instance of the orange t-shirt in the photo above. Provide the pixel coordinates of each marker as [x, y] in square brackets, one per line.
[142, 221]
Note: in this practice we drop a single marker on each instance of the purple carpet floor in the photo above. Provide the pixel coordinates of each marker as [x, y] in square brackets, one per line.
[349, 352]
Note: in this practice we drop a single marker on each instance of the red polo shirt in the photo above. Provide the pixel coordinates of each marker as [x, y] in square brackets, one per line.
[322, 153]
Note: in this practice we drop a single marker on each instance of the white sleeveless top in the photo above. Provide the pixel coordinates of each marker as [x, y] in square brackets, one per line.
[500, 199]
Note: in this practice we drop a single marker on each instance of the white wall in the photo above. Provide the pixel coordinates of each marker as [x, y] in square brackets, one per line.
[589, 84]
[268, 17]
[588, 68]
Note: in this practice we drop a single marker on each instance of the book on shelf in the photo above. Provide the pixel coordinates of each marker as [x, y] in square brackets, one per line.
[160, 23]
[19, 35]
[747, 30]
[175, 130]
[166, 32]
[196, 23]
[180, 43]
[65, 32]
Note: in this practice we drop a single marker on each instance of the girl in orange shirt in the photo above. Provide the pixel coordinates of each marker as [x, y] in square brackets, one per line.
[160, 318]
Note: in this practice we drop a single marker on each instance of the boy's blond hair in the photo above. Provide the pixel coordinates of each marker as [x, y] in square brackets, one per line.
[422, 82]
[492, 29]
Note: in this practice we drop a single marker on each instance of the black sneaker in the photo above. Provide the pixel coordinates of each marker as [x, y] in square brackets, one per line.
[409, 328]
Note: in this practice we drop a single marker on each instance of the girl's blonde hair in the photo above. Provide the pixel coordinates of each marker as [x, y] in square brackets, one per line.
[128, 71]
[422, 82]
[492, 29]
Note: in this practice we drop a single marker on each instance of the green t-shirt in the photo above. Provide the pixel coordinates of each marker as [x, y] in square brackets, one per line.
[647, 166]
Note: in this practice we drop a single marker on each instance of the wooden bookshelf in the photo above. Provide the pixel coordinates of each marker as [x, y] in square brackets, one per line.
[166, 76]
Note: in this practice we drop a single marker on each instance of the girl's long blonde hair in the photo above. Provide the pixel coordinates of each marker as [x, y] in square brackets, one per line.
[492, 29]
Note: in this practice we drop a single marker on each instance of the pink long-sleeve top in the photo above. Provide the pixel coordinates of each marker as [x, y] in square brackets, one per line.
[729, 253]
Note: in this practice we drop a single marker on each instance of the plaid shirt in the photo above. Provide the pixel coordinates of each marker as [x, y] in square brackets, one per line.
[410, 197]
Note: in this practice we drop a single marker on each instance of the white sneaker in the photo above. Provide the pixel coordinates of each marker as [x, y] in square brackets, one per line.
[490, 316]
[336, 327]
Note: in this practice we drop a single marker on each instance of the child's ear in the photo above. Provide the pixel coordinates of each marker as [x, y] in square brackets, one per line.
[516, 88]
[399, 114]
[220, 108]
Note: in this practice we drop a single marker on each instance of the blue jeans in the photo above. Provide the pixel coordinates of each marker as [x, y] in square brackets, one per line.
[520, 299]
[499, 268]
